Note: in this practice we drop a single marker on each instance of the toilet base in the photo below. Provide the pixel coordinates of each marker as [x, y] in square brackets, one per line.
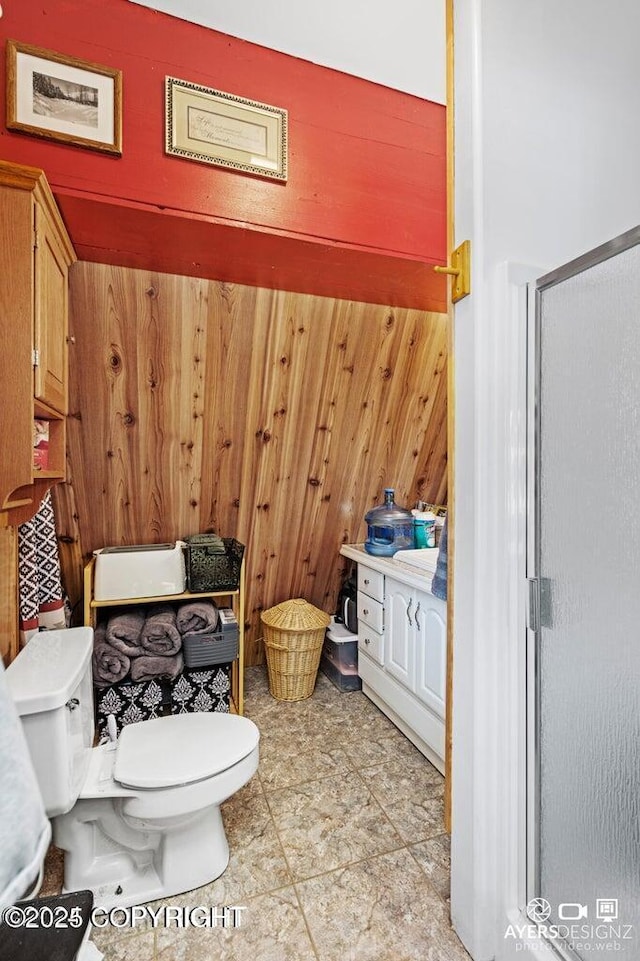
[126, 865]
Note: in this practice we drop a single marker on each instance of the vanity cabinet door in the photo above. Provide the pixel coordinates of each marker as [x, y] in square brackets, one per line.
[400, 632]
[431, 652]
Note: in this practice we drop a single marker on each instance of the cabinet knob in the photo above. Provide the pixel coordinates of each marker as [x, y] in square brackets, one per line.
[367, 640]
[71, 339]
[366, 580]
[365, 611]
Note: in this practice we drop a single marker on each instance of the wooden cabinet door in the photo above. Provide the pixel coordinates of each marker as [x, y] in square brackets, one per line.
[50, 313]
[399, 629]
[431, 652]
[16, 333]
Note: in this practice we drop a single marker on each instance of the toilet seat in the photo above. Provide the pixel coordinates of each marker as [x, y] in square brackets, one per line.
[182, 749]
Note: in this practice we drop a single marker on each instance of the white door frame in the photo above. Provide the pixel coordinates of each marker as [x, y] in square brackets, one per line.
[489, 683]
[522, 193]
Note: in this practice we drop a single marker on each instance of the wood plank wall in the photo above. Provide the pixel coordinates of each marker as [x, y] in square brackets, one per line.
[270, 416]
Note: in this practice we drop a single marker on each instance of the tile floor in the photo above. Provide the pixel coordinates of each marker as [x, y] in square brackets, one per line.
[338, 851]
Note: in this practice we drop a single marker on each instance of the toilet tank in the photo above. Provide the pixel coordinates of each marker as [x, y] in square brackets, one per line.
[51, 685]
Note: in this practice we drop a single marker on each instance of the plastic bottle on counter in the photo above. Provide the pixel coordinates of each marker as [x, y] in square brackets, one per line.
[424, 528]
[389, 527]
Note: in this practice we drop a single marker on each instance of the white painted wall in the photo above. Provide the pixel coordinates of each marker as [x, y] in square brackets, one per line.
[547, 161]
[399, 45]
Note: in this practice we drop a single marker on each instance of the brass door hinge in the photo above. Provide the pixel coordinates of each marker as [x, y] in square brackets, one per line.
[460, 270]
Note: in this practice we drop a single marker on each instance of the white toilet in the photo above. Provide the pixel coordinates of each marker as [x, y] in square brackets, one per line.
[138, 818]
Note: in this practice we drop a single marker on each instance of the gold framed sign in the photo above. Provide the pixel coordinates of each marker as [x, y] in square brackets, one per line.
[63, 98]
[226, 130]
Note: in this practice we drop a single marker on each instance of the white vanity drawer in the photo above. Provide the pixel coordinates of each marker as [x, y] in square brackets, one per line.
[371, 612]
[371, 582]
[371, 642]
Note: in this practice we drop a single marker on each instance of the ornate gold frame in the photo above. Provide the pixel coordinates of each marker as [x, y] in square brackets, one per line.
[226, 130]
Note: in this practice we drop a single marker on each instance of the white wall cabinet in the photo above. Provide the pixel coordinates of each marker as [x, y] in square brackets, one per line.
[402, 648]
[35, 256]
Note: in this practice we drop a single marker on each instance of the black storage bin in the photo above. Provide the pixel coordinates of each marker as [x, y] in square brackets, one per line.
[202, 689]
[208, 569]
[130, 702]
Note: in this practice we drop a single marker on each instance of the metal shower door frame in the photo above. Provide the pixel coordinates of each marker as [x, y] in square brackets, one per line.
[537, 593]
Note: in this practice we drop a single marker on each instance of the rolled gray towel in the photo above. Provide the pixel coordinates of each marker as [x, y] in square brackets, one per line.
[159, 632]
[109, 665]
[124, 630]
[150, 666]
[197, 617]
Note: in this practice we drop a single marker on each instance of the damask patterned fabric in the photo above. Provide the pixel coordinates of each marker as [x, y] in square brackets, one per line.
[129, 703]
[207, 689]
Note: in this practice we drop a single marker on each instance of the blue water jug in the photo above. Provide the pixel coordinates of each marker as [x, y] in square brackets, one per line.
[389, 527]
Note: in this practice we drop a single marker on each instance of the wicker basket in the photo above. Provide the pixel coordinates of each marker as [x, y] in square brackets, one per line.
[293, 636]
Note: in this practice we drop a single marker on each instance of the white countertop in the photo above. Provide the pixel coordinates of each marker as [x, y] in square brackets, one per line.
[392, 566]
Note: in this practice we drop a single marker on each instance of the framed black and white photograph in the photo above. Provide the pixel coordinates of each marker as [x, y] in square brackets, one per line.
[224, 129]
[63, 98]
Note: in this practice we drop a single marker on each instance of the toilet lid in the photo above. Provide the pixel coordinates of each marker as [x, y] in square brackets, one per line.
[181, 749]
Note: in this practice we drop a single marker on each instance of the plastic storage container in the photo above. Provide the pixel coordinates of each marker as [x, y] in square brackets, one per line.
[424, 529]
[139, 570]
[203, 650]
[389, 527]
[293, 636]
[339, 661]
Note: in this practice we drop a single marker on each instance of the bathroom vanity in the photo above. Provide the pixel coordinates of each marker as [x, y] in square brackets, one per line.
[402, 647]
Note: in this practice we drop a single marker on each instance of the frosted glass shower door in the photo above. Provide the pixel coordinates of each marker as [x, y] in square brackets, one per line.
[586, 847]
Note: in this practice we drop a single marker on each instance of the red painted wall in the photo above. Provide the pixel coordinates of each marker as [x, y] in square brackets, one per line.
[362, 214]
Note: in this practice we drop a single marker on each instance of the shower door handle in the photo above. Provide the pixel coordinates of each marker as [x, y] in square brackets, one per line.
[540, 611]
